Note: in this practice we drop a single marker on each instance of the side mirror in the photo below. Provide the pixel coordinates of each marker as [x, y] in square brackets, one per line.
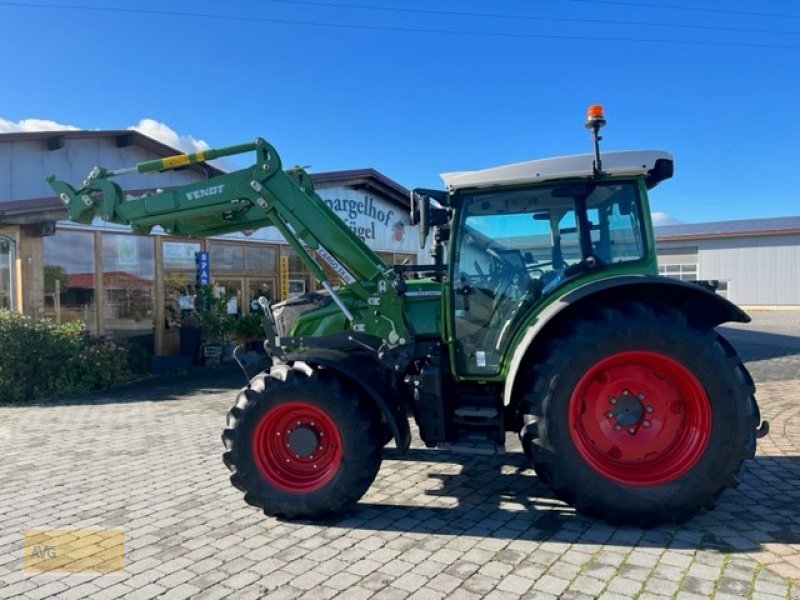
[426, 217]
[420, 215]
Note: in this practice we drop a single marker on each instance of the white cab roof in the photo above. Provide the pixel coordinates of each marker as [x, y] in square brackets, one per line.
[629, 162]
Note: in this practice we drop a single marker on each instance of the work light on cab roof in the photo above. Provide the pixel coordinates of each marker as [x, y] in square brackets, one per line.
[595, 119]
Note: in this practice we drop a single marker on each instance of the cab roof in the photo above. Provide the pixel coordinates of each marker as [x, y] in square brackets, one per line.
[655, 164]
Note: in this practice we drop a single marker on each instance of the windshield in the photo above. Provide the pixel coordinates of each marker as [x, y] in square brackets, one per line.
[515, 247]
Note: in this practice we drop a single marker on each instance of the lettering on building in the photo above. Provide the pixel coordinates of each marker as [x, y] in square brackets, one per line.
[349, 210]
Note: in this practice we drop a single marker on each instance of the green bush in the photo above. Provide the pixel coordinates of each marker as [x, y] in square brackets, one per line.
[40, 359]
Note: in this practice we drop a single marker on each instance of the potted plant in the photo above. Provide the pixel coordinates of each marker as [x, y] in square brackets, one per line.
[250, 331]
[217, 324]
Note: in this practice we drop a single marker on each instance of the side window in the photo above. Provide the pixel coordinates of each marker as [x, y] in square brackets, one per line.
[616, 229]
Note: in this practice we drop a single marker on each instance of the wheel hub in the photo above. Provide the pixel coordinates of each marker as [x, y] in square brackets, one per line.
[627, 410]
[303, 440]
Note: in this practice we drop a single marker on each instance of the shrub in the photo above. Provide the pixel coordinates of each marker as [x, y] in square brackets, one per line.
[40, 359]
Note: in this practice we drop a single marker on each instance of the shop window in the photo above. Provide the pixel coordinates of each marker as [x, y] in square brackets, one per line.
[69, 277]
[226, 257]
[260, 259]
[128, 271]
[7, 260]
[180, 255]
[180, 280]
[295, 264]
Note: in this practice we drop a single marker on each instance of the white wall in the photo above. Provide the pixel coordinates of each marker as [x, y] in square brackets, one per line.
[25, 164]
[761, 270]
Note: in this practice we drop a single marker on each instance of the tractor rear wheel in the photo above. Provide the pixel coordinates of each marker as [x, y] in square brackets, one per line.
[300, 443]
[637, 416]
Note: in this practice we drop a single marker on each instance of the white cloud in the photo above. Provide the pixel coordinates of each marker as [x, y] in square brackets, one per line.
[166, 135]
[185, 143]
[33, 125]
[662, 218]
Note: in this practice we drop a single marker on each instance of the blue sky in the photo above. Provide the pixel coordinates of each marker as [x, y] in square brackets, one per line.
[441, 85]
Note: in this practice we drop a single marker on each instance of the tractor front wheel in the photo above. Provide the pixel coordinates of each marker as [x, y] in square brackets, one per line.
[637, 416]
[300, 443]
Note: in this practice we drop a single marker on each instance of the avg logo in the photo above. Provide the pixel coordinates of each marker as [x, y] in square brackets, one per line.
[74, 550]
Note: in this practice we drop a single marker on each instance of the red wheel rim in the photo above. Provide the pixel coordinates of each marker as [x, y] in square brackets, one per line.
[297, 447]
[640, 418]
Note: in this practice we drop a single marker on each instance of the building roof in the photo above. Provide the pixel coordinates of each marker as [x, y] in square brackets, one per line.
[722, 229]
[365, 179]
[53, 140]
[35, 210]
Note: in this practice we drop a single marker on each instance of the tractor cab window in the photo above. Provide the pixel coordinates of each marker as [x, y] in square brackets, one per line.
[514, 248]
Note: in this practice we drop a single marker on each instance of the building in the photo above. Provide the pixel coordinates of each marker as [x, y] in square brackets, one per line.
[756, 261]
[130, 286]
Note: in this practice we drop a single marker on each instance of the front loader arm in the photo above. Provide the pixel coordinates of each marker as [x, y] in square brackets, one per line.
[250, 198]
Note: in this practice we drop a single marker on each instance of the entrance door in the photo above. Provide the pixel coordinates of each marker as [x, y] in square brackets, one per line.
[7, 259]
[233, 289]
[261, 286]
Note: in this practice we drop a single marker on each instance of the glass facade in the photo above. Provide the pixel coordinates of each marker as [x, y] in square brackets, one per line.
[152, 299]
[69, 277]
[128, 263]
[226, 257]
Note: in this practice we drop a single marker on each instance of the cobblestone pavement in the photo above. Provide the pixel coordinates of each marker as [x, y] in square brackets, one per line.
[146, 459]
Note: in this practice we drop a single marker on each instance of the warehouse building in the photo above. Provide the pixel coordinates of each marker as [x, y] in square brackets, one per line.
[130, 286]
[756, 261]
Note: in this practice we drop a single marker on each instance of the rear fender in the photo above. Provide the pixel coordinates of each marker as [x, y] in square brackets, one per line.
[702, 307]
[369, 376]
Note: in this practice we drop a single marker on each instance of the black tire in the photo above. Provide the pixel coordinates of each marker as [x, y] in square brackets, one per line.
[668, 475]
[329, 405]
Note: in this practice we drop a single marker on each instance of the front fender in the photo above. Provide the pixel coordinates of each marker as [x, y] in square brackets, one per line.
[702, 306]
[369, 376]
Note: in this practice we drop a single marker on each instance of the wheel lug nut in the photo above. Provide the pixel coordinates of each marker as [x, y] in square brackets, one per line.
[631, 430]
[645, 424]
[617, 427]
[641, 396]
[609, 414]
[312, 423]
[649, 409]
[613, 400]
[625, 392]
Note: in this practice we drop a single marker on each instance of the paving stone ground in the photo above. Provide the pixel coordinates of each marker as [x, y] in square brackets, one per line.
[146, 459]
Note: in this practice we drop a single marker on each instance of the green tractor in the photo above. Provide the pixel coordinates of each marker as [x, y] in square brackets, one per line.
[541, 314]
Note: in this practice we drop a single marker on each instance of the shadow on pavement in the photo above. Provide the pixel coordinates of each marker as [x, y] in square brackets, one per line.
[500, 497]
[157, 388]
[761, 345]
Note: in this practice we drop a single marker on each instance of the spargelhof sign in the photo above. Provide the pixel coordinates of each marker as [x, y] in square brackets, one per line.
[370, 220]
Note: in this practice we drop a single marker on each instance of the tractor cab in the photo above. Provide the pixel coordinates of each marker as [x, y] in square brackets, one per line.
[521, 234]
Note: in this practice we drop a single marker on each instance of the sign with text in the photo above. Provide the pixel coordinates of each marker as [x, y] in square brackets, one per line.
[203, 268]
[378, 223]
